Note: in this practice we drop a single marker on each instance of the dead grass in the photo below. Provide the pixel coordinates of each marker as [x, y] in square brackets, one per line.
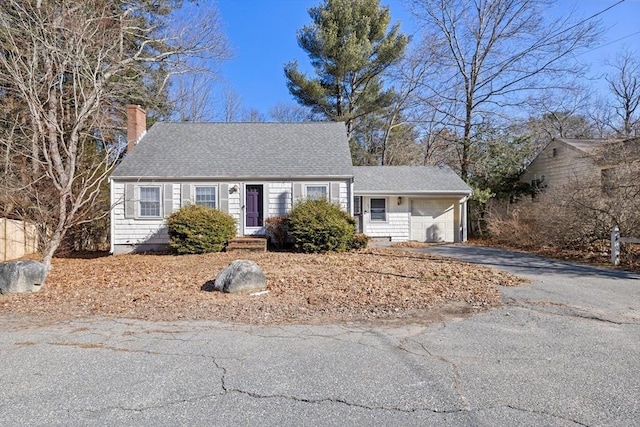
[350, 287]
[598, 254]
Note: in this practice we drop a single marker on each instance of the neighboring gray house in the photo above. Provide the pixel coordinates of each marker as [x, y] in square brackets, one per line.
[421, 203]
[566, 162]
[255, 171]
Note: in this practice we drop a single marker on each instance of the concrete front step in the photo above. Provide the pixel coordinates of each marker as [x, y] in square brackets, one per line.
[247, 244]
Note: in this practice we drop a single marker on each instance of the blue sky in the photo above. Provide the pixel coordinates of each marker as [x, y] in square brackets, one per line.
[262, 34]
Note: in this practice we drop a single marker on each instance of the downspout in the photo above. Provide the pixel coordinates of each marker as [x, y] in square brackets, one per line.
[351, 196]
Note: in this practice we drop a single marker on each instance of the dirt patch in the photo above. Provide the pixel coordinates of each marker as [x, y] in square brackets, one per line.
[371, 285]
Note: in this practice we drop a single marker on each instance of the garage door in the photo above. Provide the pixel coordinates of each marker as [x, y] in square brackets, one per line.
[432, 220]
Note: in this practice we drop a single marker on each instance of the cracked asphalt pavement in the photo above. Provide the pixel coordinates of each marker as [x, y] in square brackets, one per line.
[562, 351]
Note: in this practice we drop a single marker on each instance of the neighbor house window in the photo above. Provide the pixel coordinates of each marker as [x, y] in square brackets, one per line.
[378, 209]
[316, 192]
[150, 201]
[206, 196]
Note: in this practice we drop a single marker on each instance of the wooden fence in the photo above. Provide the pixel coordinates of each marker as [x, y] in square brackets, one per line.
[17, 239]
[616, 239]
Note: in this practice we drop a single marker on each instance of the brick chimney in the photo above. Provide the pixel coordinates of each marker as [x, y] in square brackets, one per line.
[136, 125]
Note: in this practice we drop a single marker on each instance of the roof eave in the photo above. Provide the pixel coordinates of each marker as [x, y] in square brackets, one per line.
[412, 192]
[229, 178]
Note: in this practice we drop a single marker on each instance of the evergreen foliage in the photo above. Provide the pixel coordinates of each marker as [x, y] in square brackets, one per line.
[197, 229]
[349, 48]
[320, 226]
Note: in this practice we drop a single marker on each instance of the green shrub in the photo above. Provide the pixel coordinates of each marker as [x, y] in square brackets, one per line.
[197, 229]
[359, 241]
[320, 226]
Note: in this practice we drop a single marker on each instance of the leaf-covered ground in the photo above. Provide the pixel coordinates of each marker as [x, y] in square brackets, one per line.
[378, 284]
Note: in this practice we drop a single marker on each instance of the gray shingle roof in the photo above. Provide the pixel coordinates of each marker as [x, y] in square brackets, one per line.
[407, 179]
[232, 150]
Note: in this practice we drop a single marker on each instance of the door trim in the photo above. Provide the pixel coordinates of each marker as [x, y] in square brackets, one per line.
[265, 206]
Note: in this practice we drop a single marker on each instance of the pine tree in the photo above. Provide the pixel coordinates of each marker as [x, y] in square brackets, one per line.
[349, 48]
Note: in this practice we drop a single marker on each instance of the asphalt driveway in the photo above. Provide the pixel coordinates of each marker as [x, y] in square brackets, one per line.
[564, 350]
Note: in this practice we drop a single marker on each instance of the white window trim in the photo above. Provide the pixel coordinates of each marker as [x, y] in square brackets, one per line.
[139, 202]
[319, 184]
[216, 195]
[386, 210]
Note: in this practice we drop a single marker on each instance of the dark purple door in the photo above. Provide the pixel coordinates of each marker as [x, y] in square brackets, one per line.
[253, 206]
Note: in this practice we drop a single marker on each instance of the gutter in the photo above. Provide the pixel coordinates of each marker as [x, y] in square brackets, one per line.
[466, 193]
[230, 178]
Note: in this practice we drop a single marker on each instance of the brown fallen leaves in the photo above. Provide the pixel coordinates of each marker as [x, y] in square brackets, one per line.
[303, 288]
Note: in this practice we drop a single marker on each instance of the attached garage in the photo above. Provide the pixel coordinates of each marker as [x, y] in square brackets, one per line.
[433, 220]
[419, 203]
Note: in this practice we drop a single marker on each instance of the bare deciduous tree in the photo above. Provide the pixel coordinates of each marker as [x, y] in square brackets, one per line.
[291, 112]
[230, 105]
[492, 54]
[624, 84]
[71, 65]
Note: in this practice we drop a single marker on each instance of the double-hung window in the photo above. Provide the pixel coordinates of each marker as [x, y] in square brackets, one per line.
[150, 202]
[316, 192]
[206, 196]
[378, 209]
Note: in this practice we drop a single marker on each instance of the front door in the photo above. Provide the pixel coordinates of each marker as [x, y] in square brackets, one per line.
[254, 215]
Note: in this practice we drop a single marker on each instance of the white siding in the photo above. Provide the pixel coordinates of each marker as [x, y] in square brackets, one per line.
[344, 196]
[279, 194]
[137, 231]
[151, 233]
[396, 227]
[235, 205]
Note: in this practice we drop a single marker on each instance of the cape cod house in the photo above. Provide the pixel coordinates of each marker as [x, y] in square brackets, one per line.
[255, 171]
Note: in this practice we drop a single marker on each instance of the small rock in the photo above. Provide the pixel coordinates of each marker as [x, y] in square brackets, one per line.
[21, 276]
[240, 276]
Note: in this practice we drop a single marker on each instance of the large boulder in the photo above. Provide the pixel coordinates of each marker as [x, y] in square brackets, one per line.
[21, 276]
[240, 276]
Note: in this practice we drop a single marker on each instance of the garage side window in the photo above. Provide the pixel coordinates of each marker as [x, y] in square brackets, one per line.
[150, 202]
[206, 196]
[378, 209]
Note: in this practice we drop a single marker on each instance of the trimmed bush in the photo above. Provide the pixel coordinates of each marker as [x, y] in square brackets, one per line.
[320, 226]
[198, 229]
[359, 241]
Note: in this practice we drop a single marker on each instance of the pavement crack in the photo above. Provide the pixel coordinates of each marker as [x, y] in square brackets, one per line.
[342, 402]
[223, 376]
[456, 375]
[570, 311]
[457, 378]
[515, 408]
